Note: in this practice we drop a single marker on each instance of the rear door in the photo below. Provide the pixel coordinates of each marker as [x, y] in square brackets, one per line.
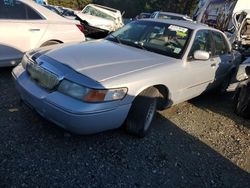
[21, 29]
[222, 57]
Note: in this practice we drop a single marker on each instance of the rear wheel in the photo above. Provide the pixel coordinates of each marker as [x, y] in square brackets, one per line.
[241, 102]
[142, 112]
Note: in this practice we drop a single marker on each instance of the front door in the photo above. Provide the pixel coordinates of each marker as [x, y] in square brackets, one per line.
[198, 75]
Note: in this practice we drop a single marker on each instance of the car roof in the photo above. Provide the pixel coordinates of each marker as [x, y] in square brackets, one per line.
[187, 24]
[172, 14]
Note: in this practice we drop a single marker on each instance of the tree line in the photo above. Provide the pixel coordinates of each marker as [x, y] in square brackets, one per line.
[132, 8]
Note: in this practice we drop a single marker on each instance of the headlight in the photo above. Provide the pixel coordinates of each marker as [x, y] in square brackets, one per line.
[25, 61]
[91, 95]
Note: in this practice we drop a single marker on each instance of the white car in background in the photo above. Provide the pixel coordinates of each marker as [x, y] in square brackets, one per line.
[25, 25]
[102, 17]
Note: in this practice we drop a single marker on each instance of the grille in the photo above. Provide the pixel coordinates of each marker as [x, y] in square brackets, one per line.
[42, 77]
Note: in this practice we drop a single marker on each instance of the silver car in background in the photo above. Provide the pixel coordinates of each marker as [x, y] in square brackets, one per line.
[145, 66]
[170, 16]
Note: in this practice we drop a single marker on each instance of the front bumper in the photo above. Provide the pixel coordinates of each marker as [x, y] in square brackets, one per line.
[76, 119]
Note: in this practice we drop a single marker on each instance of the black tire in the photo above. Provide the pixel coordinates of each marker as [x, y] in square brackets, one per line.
[241, 102]
[142, 112]
[48, 43]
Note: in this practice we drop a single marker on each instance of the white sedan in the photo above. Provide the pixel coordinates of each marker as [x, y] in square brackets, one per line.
[145, 66]
[25, 25]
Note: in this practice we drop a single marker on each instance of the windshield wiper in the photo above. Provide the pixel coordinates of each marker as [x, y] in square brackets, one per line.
[140, 45]
[116, 38]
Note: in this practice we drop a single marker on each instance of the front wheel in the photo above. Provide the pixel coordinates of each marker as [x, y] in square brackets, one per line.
[142, 112]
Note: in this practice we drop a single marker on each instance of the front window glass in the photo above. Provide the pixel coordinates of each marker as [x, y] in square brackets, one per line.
[201, 42]
[162, 38]
[96, 12]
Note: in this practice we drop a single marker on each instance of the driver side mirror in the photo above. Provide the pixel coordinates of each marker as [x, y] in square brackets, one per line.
[201, 55]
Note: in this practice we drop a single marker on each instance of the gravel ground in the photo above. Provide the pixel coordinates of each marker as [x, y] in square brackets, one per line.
[200, 143]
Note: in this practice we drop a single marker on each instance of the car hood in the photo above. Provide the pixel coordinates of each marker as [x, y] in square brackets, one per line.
[103, 60]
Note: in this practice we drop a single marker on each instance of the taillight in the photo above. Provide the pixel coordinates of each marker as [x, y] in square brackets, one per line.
[80, 27]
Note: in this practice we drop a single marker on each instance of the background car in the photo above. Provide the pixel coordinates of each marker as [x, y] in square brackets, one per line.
[145, 66]
[25, 25]
[99, 20]
[169, 15]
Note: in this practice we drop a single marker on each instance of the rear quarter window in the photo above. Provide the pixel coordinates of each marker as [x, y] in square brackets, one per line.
[32, 14]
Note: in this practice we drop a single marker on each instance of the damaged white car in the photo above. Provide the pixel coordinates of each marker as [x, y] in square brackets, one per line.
[99, 20]
[242, 27]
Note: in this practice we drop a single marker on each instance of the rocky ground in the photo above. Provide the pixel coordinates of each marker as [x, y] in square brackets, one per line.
[199, 143]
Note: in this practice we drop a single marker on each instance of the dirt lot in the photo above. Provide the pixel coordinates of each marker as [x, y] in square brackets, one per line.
[197, 143]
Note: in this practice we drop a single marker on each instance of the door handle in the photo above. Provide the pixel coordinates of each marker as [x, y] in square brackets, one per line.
[34, 29]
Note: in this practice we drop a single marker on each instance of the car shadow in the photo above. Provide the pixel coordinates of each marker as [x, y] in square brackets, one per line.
[223, 106]
[36, 152]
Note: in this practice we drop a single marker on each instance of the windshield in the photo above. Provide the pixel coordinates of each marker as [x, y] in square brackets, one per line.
[166, 39]
[96, 12]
